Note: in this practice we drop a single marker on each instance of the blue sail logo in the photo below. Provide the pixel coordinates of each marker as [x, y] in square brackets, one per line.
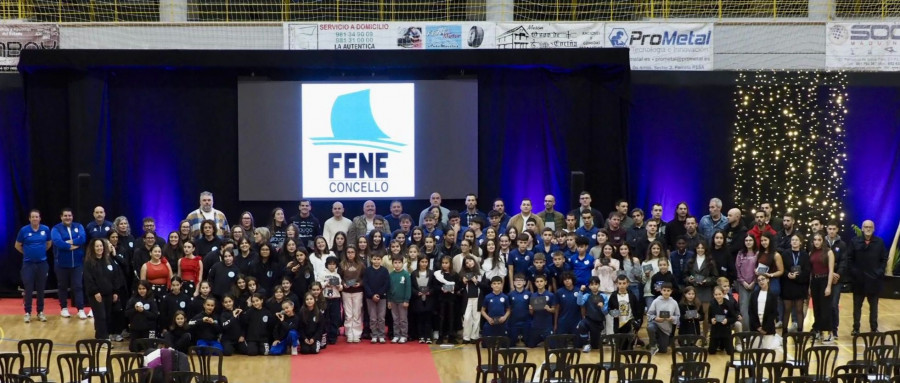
[353, 124]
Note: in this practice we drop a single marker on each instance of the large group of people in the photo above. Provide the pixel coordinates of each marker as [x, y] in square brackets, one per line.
[451, 275]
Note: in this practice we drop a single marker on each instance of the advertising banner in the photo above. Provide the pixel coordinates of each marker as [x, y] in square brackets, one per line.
[546, 35]
[870, 46]
[673, 46]
[14, 38]
[393, 35]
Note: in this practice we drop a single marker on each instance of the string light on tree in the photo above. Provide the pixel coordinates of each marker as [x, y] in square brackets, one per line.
[788, 143]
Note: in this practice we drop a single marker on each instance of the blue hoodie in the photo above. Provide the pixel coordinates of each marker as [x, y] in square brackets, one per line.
[65, 256]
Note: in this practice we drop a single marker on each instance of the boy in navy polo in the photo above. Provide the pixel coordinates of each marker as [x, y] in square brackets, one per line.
[519, 258]
[542, 321]
[495, 309]
[555, 270]
[594, 305]
[582, 263]
[569, 311]
[519, 322]
[540, 261]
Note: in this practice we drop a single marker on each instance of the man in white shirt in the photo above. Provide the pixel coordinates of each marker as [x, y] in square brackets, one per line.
[336, 223]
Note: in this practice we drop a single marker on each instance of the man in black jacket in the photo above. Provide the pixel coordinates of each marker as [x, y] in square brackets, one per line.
[867, 257]
[735, 232]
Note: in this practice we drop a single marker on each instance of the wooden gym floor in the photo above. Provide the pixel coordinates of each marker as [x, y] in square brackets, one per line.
[453, 365]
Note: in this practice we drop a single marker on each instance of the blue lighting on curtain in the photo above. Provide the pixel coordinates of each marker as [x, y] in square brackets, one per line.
[873, 158]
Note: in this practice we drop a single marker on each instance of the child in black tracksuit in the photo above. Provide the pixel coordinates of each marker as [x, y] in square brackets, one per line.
[664, 275]
[142, 313]
[311, 326]
[691, 313]
[423, 300]
[205, 327]
[258, 324]
[448, 284]
[232, 329]
[721, 316]
[284, 332]
[177, 334]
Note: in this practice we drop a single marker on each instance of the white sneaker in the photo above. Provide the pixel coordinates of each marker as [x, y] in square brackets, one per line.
[381, 340]
[90, 314]
[118, 337]
[65, 313]
[395, 340]
[436, 335]
[402, 339]
[587, 348]
[81, 314]
[42, 317]
[28, 318]
[294, 351]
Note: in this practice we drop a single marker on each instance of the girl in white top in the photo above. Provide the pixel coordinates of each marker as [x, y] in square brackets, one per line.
[494, 265]
[319, 254]
[654, 253]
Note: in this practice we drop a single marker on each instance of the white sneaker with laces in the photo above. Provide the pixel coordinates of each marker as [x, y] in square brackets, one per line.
[81, 314]
[27, 317]
[42, 317]
[65, 313]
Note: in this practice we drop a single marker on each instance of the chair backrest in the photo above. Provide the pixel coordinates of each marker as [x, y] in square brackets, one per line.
[487, 348]
[865, 340]
[120, 362]
[558, 341]
[824, 358]
[650, 381]
[690, 370]
[583, 373]
[138, 375]
[850, 378]
[147, 344]
[202, 361]
[793, 345]
[511, 356]
[97, 350]
[38, 355]
[13, 378]
[184, 377]
[629, 372]
[71, 367]
[873, 354]
[752, 360]
[616, 343]
[688, 340]
[892, 338]
[796, 379]
[634, 356]
[690, 354]
[562, 359]
[703, 380]
[518, 373]
[747, 339]
[774, 371]
[10, 363]
[851, 369]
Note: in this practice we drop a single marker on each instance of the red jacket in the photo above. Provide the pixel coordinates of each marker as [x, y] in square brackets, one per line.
[756, 233]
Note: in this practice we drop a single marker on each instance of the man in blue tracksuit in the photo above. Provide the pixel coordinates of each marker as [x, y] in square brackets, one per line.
[68, 239]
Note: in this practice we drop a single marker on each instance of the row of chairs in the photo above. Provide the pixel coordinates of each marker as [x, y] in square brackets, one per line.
[881, 359]
[94, 359]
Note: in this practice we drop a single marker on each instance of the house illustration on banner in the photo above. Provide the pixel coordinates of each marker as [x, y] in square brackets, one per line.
[516, 38]
[353, 124]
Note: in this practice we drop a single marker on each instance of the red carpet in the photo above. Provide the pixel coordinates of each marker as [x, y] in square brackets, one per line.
[371, 363]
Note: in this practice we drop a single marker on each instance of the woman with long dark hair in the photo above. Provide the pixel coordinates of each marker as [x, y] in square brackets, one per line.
[102, 282]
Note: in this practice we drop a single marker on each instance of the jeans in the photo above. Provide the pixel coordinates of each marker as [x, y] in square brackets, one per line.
[658, 337]
[70, 277]
[835, 310]
[352, 315]
[34, 277]
[744, 302]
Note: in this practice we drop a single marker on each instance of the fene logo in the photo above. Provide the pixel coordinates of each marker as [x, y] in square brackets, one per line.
[358, 140]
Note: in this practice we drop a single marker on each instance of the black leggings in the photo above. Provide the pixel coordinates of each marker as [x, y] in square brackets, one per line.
[423, 324]
[102, 315]
[234, 347]
[257, 348]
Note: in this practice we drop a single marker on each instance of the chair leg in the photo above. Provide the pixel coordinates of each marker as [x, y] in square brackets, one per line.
[725, 380]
